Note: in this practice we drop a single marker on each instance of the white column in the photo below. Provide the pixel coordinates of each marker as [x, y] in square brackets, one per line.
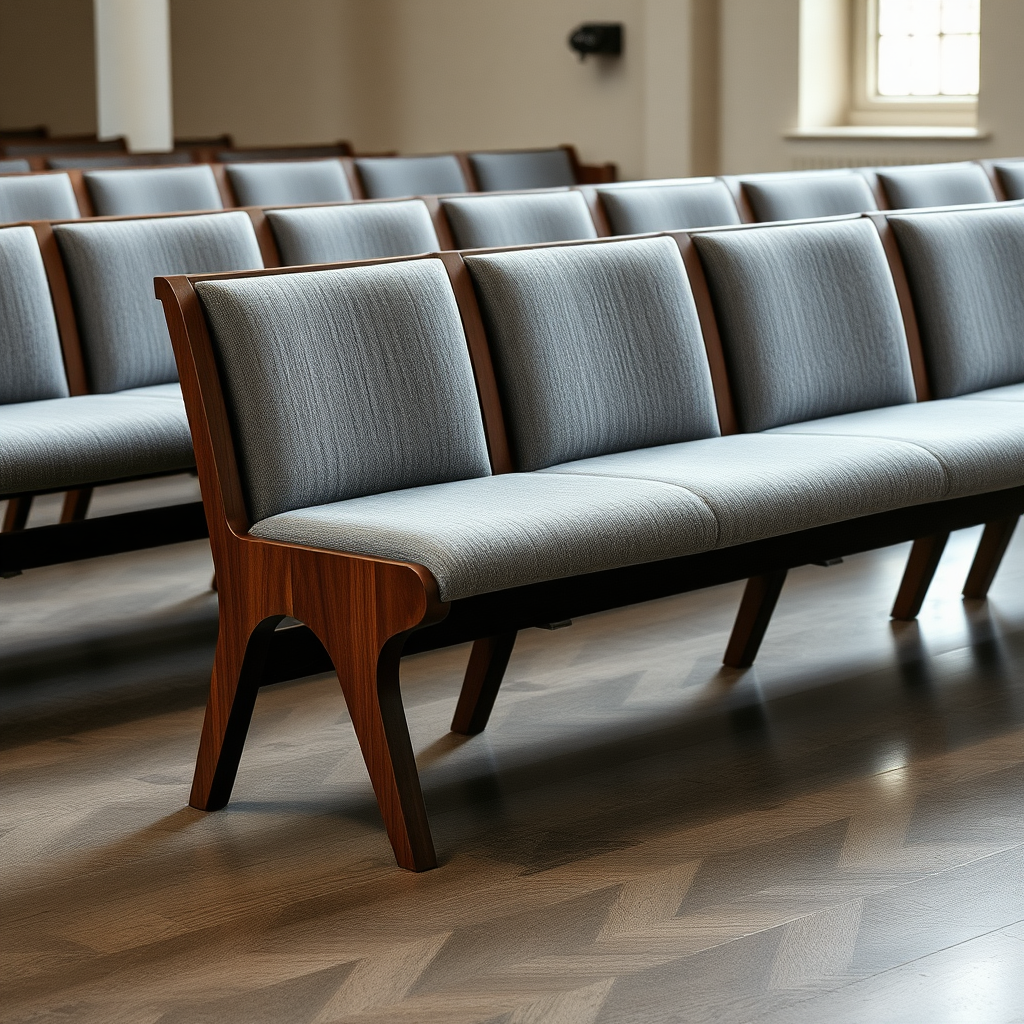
[133, 72]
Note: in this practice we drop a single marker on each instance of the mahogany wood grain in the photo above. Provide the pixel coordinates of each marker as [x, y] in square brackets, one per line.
[227, 193]
[597, 210]
[994, 542]
[76, 505]
[917, 577]
[442, 228]
[355, 182]
[486, 669]
[81, 190]
[16, 514]
[264, 235]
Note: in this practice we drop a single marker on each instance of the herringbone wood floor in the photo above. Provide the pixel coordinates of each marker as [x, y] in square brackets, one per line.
[836, 835]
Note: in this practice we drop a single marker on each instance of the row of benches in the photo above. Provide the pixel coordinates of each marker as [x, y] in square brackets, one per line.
[412, 453]
[615, 209]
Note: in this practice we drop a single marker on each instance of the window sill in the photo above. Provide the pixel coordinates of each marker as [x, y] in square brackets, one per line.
[901, 133]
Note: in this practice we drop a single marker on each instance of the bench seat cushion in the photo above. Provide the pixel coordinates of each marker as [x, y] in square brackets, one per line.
[980, 444]
[1009, 393]
[760, 485]
[152, 391]
[64, 442]
[492, 533]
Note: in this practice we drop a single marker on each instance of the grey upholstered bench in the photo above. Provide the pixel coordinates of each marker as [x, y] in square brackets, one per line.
[391, 177]
[413, 454]
[635, 208]
[479, 222]
[137, 191]
[132, 422]
[36, 197]
[281, 182]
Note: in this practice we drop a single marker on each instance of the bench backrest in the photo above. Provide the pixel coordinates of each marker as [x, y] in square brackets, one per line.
[31, 365]
[635, 209]
[490, 221]
[391, 177]
[153, 190]
[278, 182]
[14, 166]
[597, 349]
[111, 265]
[807, 194]
[1011, 177]
[235, 156]
[111, 160]
[37, 197]
[343, 383]
[966, 274]
[522, 169]
[935, 185]
[809, 320]
[360, 231]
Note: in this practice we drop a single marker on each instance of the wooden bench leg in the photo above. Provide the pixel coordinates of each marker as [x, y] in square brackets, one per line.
[917, 577]
[486, 669]
[994, 542]
[17, 512]
[759, 598]
[76, 505]
[237, 673]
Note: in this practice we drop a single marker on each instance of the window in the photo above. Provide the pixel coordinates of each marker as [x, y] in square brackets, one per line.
[916, 62]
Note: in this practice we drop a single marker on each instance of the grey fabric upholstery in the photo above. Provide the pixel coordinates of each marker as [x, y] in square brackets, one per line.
[1011, 177]
[488, 534]
[762, 485]
[343, 383]
[152, 391]
[14, 166]
[530, 168]
[153, 190]
[64, 442]
[935, 185]
[597, 348]
[808, 194]
[111, 266]
[364, 231]
[966, 273]
[110, 160]
[809, 320]
[289, 181]
[389, 177]
[1010, 393]
[37, 197]
[980, 444]
[632, 211]
[31, 365]
[485, 221]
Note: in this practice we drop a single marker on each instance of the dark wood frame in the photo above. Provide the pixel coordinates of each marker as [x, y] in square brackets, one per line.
[361, 614]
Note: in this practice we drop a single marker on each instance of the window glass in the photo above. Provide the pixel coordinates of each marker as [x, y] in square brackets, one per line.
[928, 47]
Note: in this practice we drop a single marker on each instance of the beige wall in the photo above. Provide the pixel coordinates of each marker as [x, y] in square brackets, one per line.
[47, 65]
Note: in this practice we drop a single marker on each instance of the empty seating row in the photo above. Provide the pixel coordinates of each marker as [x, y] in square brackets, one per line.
[414, 453]
[626, 208]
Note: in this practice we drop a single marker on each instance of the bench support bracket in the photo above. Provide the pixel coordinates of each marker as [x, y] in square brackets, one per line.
[486, 669]
[994, 542]
[917, 577]
[759, 599]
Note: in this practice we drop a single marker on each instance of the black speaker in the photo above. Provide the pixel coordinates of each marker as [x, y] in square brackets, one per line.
[604, 38]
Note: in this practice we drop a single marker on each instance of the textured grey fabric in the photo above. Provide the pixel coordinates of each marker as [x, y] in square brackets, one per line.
[597, 348]
[632, 211]
[289, 181]
[530, 168]
[111, 266]
[64, 442]
[935, 185]
[764, 485]
[388, 177]
[1010, 393]
[14, 166]
[808, 194]
[980, 444]
[483, 535]
[809, 320]
[485, 221]
[86, 162]
[152, 391]
[966, 273]
[31, 365]
[343, 383]
[37, 197]
[363, 231]
[1011, 176]
[153, 190]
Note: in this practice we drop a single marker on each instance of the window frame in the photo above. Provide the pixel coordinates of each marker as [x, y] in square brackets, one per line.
[868, 108]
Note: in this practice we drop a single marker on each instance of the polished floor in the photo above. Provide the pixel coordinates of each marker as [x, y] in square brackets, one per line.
[835, 835]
